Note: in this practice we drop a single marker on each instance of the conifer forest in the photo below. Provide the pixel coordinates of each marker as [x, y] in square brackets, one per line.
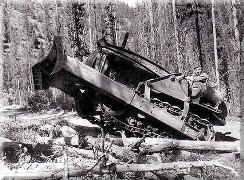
[98, 89]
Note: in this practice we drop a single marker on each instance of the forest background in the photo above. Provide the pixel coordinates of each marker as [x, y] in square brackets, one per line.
[176, 34]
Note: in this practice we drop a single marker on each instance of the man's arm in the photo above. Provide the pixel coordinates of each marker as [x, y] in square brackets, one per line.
[189, 78]
[202, 77]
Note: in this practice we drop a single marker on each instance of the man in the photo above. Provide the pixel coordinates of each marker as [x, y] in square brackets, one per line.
[198, 75]
[197, 83]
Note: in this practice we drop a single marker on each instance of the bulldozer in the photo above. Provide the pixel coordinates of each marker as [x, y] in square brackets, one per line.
[132, 89]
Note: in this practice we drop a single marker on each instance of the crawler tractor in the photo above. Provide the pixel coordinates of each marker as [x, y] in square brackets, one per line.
[130, 91]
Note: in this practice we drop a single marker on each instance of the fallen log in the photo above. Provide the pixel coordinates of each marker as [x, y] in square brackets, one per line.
[43, 171]
[159, 144]
[169, 166]
[74, 141]
[83, 126]
[3, 140]
[89, 154]
[122, 153]
[120, 141]
[45, 116]
[83, 170]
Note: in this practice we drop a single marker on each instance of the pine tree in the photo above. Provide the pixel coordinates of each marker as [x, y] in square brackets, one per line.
[215, 45]
[176, 33]
[1, 52]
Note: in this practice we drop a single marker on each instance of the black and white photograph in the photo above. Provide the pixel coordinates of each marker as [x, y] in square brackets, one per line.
[121, 89]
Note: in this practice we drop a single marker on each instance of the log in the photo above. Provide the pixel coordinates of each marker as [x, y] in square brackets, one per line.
[40, 140]
[3, 140]
[159, 144]
[83, 170]
[162, 144]
[45, 116]
[122, 153]
[83, 126]
[43, 171]
[120, 141]
[67, 131]
[162, 166]
[89, 154]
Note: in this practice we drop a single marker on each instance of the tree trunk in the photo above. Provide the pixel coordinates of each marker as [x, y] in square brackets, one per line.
[1, 52]
[90, 26]
[122, 153]
[215, 46]
[168, 166]
[187, 144]
[237, 36]
[166, 60]
[83, 170]
[158, 144]
[109, 22]
[180, 67]
[236, 64]
[242, 102]
[90, 154]
[198, 33]
[57, 20]
[151, 35]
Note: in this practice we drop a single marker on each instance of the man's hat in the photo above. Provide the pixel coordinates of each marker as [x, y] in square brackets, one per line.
[197, 66]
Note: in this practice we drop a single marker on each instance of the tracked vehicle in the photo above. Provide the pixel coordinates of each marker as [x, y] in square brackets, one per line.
[132, 89]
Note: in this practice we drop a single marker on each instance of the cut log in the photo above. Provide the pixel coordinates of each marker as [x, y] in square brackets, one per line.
[74, 141]
[89, 154]
[120, 141]
[162, 166]
[169, 166]
[42, 139]
[83, 126]
[67, 131]
[122, 153]
[160, 144]
[3, 140]
[45, 116]
[155, 145]
[45, 171]
[83, 170]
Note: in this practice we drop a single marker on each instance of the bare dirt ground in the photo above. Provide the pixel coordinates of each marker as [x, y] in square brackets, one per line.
[31, 128]
[231, 130]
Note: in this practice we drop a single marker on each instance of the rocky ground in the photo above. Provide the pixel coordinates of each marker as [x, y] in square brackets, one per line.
[60, 141]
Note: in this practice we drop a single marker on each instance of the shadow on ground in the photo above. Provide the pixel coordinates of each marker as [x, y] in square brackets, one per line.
[224, 137]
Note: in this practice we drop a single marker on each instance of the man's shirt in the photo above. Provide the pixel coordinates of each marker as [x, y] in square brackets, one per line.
[198, 78]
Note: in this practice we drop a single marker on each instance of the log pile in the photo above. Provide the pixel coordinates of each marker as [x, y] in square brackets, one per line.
[102, 155]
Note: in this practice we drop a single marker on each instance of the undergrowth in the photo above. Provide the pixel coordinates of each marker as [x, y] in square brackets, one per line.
[45, 100]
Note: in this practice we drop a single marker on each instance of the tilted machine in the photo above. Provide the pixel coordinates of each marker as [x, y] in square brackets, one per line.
[132, 88]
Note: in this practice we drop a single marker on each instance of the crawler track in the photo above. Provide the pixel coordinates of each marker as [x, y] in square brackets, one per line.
[137, 128]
